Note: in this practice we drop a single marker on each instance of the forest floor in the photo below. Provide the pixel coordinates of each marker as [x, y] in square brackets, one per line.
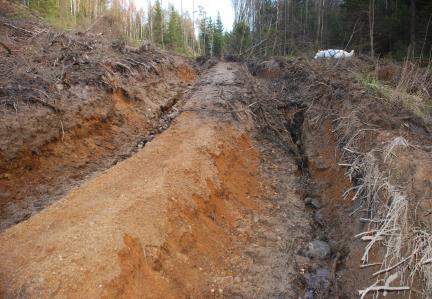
[136, 173]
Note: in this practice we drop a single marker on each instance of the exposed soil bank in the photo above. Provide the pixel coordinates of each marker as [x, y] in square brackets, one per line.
[75, 104]
[356, 148]
[202, 210]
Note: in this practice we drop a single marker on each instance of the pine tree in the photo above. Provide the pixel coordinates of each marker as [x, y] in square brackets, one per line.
[209, 42]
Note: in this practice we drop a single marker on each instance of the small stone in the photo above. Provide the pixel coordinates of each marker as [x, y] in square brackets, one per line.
[255, 218]
[5, 194]
[312, 201]
[37, 204]
[319, 279]
[6, 176]
[59, 86]
[318, 249]
[318, 218]
[309, 294]
[321, 164]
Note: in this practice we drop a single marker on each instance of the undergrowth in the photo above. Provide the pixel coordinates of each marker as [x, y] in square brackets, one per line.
[419, 103]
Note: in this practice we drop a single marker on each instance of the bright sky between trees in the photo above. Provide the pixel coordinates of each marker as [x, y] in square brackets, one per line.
[212, 7]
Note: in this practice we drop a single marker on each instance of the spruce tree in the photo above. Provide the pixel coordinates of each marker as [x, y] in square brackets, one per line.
[218, 40]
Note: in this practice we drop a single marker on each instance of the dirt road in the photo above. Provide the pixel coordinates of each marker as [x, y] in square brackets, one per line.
[205, 209]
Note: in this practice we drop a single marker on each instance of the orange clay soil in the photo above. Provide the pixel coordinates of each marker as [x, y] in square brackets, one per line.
[158, 224]
[95, 136]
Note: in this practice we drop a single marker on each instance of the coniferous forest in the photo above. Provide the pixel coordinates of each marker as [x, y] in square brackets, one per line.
[378, 28]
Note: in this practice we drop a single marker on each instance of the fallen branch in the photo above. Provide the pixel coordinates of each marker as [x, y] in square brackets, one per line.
[37, 100]
[375, 288]
[213, 110]
[334, 279]
[6, 48]
[18, 29]
[370, 265]
[252, 47]
[392, 267]
[133, 61]
[123, 66]
[62, 129]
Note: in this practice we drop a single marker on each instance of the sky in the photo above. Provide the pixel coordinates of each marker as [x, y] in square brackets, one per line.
[212, 7]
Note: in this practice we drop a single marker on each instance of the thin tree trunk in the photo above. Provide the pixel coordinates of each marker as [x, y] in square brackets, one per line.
[371, 26]
[412, 27]
[162, 26]
[276, 29]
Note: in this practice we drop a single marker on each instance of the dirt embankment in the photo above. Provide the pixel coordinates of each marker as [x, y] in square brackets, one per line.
[366, 161]
[75, 104]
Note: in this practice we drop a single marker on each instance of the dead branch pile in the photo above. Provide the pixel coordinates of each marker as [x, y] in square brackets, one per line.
[40, 66]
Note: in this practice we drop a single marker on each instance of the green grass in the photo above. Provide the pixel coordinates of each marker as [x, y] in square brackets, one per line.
[420, 105]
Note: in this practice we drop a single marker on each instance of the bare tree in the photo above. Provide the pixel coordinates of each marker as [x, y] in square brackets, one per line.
[371, 26]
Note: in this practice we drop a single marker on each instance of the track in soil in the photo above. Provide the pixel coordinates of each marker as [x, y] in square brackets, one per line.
[210, 207]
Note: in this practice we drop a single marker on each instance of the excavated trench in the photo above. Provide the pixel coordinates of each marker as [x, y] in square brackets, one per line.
[243, 203]
[318, 279]
[328, 260]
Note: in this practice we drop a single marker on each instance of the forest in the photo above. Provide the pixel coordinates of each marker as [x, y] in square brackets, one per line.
[377, 28]
[164, 27]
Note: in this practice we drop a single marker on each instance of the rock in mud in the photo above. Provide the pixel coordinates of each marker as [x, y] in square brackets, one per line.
[318, 249]
[321, 164]
[309, 294]
[317, 280]
[318, 218]
[313, 202]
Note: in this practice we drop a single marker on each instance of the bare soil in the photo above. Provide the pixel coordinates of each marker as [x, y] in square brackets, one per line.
[340, 117]
[197, 212]
[75, 104]
[130, 173]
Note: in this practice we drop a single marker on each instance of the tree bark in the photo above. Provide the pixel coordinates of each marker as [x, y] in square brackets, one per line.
[413, 27]
[371, 26]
